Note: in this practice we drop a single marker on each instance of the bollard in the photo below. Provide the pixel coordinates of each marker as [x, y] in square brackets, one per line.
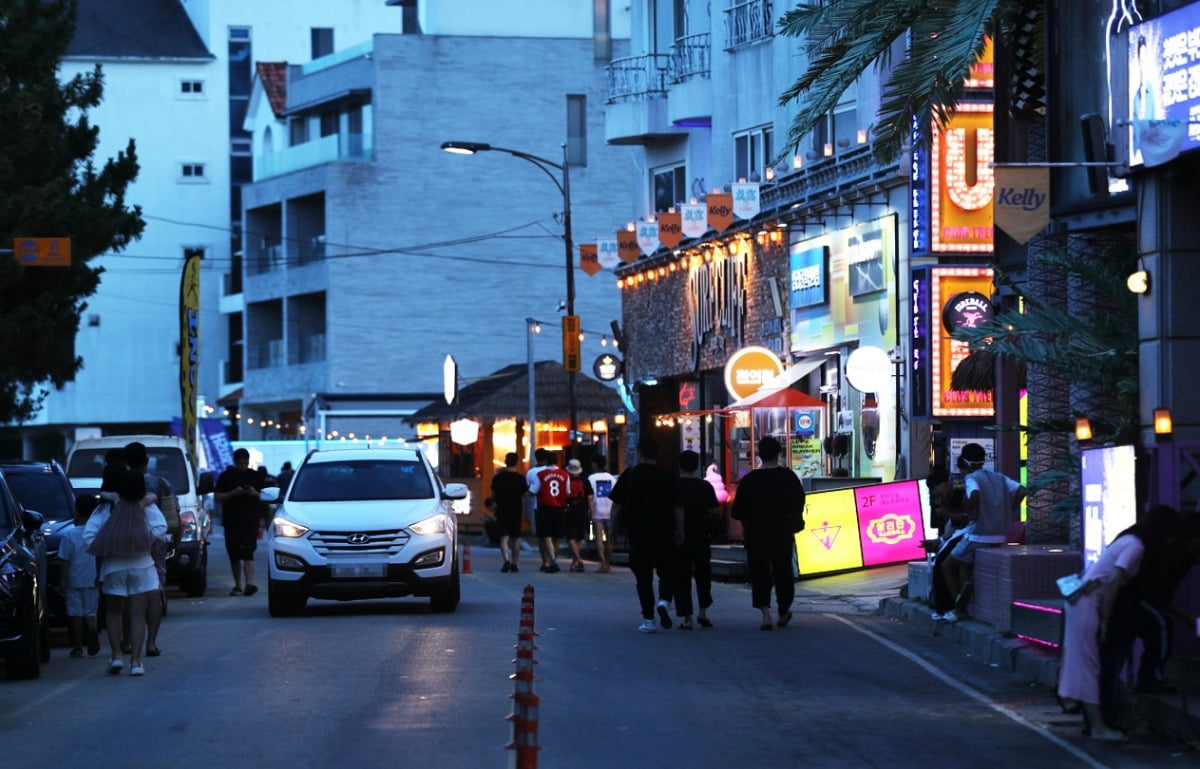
[466, 557]
[525, 730]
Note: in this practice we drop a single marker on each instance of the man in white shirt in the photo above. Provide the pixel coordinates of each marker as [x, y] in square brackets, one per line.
[602, 482]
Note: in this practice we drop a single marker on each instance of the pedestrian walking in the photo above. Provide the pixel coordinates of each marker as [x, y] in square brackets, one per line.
[548, 484]
[79, 581]
[767, 501]
[508, 493]
[238, 491]
[644, 506]
[578, 513]
[121, 534]
[698, 500]
[602, 482]
[168, 504]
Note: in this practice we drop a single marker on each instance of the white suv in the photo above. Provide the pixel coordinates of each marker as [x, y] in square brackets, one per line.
[364, 523]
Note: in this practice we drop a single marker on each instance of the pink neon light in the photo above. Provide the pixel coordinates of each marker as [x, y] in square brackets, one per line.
[1038, 641]
[1037, 607]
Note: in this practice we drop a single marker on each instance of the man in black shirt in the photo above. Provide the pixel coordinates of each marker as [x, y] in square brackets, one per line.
[698, 501]
[237, 492]
[508, 493]
[765, 502]
[644, 505]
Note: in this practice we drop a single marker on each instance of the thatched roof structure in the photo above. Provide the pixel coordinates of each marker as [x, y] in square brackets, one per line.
[977, 373]
[504, 394]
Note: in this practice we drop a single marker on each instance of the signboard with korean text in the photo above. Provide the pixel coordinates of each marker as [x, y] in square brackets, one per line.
[889, 522]
[1164, 100]
[1109, 490]
[962, 181]
[748, 368]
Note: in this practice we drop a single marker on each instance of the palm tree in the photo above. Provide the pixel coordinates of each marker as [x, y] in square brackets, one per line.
[846, 37]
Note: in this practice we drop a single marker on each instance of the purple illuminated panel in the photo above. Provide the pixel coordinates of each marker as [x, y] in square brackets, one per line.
[889, 522]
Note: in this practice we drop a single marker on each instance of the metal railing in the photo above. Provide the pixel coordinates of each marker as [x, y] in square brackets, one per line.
[691, 56]
[748, 22]
[268, 257]
[311, 250]
[637, 77]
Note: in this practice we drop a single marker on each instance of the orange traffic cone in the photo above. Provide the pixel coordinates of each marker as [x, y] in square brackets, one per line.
[466, 557]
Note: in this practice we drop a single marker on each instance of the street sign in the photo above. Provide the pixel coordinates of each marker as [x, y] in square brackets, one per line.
[43, 252]
[570, 330]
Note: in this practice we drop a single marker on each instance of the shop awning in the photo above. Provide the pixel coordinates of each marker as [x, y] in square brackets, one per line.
[778, 392]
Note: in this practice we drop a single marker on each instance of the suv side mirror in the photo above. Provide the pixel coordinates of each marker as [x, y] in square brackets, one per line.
[32, 521]
[204, 485]
[270, 494]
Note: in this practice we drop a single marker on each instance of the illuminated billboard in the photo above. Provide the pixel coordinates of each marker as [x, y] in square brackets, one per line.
[1164, 100]
[955, 292]
[1107, 484]
[870, 525]
[961, 181]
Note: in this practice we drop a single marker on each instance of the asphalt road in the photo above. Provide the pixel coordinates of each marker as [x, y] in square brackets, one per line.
[387, 683]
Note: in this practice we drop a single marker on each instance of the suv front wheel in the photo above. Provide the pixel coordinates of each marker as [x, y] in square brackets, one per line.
[446, 599]
[283, 600]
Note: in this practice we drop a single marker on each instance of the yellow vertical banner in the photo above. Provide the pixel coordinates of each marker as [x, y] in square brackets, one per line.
[570, 330]
[189, 348]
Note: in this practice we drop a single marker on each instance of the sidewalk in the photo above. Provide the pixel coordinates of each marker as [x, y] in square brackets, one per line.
[1173, 715]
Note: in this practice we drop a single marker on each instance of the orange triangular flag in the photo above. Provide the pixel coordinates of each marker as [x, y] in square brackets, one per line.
[720, 210]
[670, 229]
[589, 260]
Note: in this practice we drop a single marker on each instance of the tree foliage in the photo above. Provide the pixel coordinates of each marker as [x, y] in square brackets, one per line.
[51, 187]
[846, 37]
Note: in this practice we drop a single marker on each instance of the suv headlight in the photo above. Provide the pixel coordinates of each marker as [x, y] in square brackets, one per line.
[434, 525]
[285, 528]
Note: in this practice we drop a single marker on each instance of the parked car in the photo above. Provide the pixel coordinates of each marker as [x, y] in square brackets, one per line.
[364, 523]
[24, 635]
[43, 488]
[187, 562]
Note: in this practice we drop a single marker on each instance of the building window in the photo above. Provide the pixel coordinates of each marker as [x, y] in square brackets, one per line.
[835, 131]
[297, 131]
[192, 172]
[191, 89]
[752, 150]
[329, 123]
[577, 129]
[322, 41]
[670, 186]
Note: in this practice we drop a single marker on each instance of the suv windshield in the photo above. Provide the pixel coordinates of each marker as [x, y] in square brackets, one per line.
[361, 480]
[41, 491]
[164, 460]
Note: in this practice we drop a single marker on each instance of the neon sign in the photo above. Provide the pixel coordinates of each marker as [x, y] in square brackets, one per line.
[961, 192]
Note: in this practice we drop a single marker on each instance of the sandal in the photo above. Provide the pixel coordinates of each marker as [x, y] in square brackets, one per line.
[784, 619]
[153, 651]
[704, 621]
[685, 625]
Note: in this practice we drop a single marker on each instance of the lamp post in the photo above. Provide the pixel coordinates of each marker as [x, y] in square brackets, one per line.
[564, 187]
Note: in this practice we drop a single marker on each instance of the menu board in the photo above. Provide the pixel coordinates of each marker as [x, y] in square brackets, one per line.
[889, 522]
[830, 540]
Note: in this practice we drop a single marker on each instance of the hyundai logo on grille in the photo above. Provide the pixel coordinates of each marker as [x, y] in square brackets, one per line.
[358, 539]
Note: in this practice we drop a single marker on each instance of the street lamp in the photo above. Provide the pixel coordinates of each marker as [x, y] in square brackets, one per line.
[564, 187]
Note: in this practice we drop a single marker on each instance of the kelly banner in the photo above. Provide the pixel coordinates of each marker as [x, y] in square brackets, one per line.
[189, 347]
[1022, 201]
[589, 262]
[720, 211]
[670, 229]
[627, 246]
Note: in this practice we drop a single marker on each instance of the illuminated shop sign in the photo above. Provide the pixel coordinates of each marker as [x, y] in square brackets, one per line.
[748, 368]
[1107, 483]
[961, 181]
[957, 291]
[1164, 98]
[808, 269]
[865, 257]
[607, 367]
[865, 526]
[919, 178]
[919, 362]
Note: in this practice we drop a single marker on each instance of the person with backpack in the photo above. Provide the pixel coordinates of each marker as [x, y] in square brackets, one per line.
[770, 504]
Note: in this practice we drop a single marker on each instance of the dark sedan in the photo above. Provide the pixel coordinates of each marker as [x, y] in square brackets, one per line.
[23, 634]
[43, 487]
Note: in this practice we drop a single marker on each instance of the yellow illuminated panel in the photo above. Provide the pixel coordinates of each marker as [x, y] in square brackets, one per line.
[962, 181]
[830, 540]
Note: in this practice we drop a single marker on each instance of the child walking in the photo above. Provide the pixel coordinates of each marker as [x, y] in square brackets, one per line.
[79, 581]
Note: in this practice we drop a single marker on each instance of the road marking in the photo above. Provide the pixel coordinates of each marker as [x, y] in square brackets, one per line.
[974, 694]
[53, 693]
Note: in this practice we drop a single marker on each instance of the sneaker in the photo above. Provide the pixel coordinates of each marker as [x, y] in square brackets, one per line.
[577, 567]
[137, 670]
[506, 568]
[553, 568]
[1108, 735]
[950, 617]
[115, 666]
[648, 626]
[236, 591]
[664, 614]
[513, 567]
[251, 589]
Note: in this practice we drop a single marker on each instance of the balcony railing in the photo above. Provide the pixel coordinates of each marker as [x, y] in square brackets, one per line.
[312, 348]
[326, 149]
[690, 57]
[311, 250]
[638, 77]
[266, 354]
[748, 22]
[268, 257]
